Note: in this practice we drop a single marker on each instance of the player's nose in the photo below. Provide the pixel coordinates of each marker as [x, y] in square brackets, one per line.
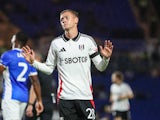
[64, 21]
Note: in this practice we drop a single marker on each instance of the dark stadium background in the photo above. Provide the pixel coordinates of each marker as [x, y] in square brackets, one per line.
[132, 25]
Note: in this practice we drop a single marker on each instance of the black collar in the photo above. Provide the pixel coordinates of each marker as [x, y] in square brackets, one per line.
[74, 39]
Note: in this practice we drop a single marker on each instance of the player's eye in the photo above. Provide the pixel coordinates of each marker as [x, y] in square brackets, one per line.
[61, 19]
[67, 17]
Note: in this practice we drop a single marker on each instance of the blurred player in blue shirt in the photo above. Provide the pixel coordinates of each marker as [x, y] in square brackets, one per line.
[16, 72]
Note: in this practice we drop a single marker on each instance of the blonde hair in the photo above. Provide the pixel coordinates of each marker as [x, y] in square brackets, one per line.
[71, 11]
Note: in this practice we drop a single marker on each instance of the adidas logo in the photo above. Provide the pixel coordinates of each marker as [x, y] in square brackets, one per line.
[62, 50]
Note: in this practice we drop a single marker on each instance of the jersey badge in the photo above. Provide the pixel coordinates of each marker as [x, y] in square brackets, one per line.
[81, 47]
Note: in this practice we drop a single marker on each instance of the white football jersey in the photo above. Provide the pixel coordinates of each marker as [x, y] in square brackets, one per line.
[118, 90]
[73, 60]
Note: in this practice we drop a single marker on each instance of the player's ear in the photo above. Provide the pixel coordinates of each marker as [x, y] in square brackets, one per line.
[76, 20]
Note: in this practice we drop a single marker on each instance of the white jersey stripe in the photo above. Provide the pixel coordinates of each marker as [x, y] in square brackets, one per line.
[7, 83]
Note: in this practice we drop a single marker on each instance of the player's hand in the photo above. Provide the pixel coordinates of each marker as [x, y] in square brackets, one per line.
[128, 96]
[29, 111]
[28, 54]
[39, 107]
[106, 51]
[122, 97]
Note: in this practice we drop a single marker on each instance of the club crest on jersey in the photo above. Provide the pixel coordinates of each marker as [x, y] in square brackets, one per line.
[81, 47]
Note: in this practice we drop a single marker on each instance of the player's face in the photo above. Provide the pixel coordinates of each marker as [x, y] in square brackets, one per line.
[114, 78]
[68, 20]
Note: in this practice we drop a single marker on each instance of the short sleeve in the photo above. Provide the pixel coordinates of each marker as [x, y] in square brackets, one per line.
[93, 50]
[5, 59]
[111, 88]
[128, 89]
[33, 71]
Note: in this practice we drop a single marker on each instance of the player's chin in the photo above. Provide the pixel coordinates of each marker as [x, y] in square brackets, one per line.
[65, 28]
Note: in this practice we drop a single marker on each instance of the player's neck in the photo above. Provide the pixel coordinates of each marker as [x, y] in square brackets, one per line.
[119, 83]
[17, 46]
[71, 33]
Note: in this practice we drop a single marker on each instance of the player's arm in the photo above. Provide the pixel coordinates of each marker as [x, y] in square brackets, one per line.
[37, 89]
[127, 96]
[129, 93]
[47, 67]
[111, 96]
[106, 52]
[4, 61]
[111, 99]
[100, 63]
[36, 86]
[32, 96]
[2, 68]
[32, 99]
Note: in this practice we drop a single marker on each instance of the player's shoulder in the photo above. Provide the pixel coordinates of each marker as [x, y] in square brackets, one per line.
[124, 84]
[7, 53]
[86, 36]
[57, 38]
[113, 85]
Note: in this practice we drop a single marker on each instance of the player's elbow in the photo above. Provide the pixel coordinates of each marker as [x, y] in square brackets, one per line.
[49, 72]
[111, 100]
[131, 96]
[101, 69]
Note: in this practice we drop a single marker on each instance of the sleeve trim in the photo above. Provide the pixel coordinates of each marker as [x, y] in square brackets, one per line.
[94, 55]
[33, 73]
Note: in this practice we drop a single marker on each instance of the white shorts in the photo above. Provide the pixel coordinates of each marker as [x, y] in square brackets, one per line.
[13, 109]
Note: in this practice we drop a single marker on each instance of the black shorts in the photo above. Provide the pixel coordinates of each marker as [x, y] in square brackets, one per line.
[77, 109]
[125, 115]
